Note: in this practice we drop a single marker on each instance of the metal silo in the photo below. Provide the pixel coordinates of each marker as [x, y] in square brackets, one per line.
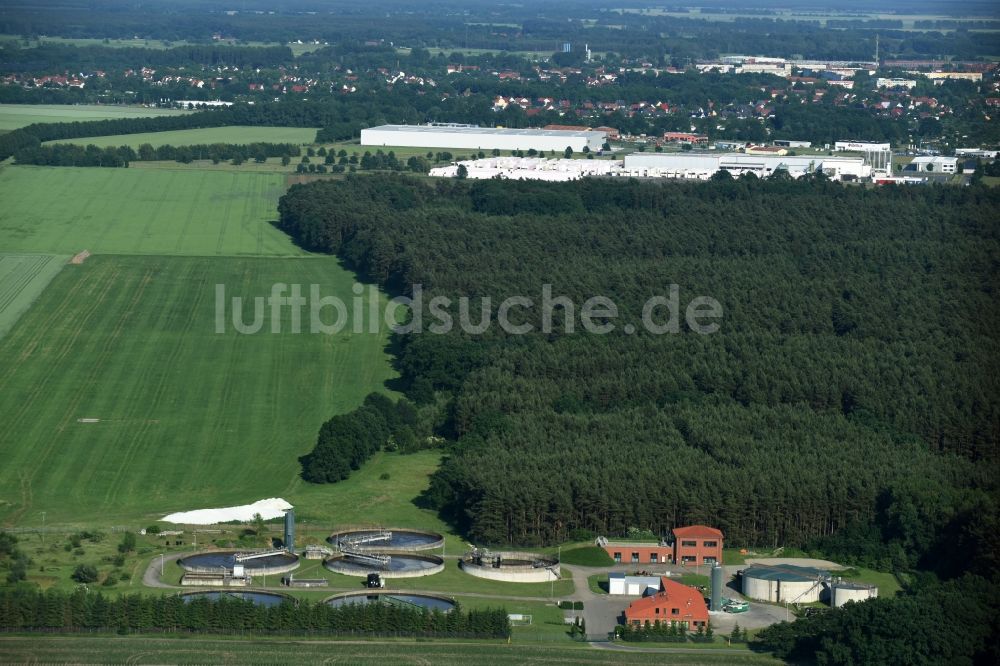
[290, 530]
[717, 587]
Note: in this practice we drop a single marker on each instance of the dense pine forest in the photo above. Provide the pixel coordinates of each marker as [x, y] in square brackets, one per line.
[853, 386]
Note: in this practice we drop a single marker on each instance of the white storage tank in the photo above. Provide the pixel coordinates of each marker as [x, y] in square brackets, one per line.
[784, 584]
[844, 591]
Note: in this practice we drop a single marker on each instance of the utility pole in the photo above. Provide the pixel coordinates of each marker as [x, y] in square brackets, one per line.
[43, 528]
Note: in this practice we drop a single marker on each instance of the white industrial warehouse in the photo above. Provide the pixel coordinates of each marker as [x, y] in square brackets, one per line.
[530, 168]
[701, 166]
[690, 166]
[473, 137]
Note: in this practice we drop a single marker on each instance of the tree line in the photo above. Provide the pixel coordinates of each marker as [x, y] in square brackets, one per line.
[54, 57]
[346, 441]
[12, 558]
[856, 354]
[935, 623]
[294, 114]
[69, 154]
[27, 609]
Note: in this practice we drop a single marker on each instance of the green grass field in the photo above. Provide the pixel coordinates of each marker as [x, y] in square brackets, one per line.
[366, 498]
[13, 116]
[66, 210]
[187, 418]
[888, 584]
[234, 134]
[22, 278]
[587, 556]
[257, 650]
[598, 583]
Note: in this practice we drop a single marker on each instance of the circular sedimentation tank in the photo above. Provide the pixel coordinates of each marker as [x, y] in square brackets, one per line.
[430, 602]
[844, 591]
[378, 540]
[399, 564]
[784, 583]
[214, 560]
[511, 567]
[258, 598]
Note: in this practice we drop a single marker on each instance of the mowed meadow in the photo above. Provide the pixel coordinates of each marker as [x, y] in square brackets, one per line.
[14, 116]
[120, 401]
[134, 211]
[22, 278]
[208, 135]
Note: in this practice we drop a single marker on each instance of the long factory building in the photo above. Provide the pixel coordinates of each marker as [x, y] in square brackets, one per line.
[703, 166]
[688, 166]
[473, 137]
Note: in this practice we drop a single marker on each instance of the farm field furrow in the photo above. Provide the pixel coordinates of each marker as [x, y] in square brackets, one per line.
[234, 134]
[128, 211]
[120, 399]
[22, 278]
[14, 116]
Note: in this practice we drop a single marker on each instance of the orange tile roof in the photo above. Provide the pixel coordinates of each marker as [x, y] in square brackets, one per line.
[697, 531]
[687, 600]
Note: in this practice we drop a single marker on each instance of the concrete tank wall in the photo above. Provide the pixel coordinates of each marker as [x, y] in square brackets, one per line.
[775, 591]
[292, 565]
[436, 540]
[436, 566]
[517, 573]
[841, 594]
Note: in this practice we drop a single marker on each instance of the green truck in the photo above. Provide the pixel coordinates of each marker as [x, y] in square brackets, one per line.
[735, 606]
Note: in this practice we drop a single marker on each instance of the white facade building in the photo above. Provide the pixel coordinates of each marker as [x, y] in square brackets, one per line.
[977, 152]
[895, 83]
[932, 164]
[690, 166]
[861, 146]
[471, 137]
[530, 168]
[196, 103]
[704, 166]
[619, 583]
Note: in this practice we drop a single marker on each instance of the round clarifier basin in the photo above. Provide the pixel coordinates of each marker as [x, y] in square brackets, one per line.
[401, 565]
[421, 601]
[258, 598]
[213, 561]
[401, 540]
[514, 567]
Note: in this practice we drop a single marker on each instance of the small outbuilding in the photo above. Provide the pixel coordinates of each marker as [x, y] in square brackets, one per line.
[619, 583]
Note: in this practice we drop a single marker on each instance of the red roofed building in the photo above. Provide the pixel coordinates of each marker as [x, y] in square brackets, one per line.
[697, 544]
[673, 603]
[685, 137]
[568, 128]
